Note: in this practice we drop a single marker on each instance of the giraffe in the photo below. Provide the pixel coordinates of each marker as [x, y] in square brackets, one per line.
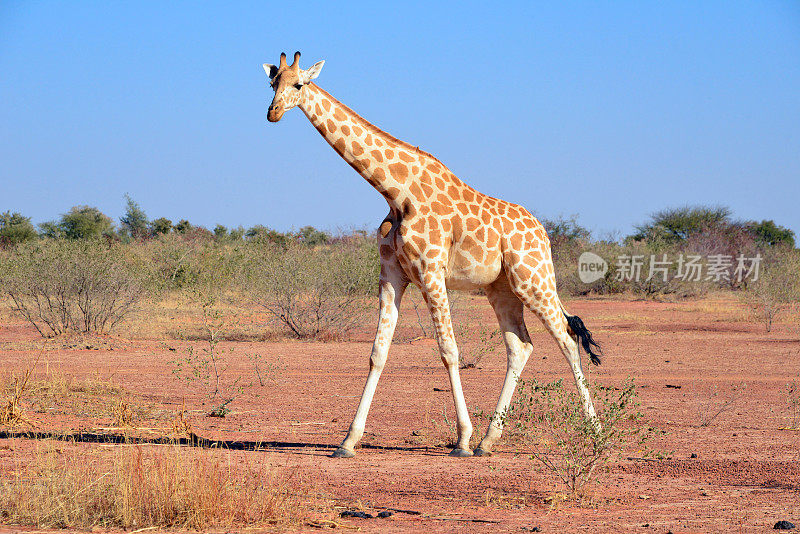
[440, 233]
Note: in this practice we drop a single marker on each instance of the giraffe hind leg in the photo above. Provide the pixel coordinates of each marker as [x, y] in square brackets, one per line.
[540, 297]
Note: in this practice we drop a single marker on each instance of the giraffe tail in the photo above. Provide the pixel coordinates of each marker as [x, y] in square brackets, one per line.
[585, 338]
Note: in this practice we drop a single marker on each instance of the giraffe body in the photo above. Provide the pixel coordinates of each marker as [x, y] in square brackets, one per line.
[440, 233]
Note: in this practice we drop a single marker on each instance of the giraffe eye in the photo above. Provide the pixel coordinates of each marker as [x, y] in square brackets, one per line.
[298, 86]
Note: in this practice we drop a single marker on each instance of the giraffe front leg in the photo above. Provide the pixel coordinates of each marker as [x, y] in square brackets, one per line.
[435, 294]
[392, 287]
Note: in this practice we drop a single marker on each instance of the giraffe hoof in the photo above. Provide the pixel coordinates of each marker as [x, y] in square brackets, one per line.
[460, 453]
[342, 453]
[481, 452]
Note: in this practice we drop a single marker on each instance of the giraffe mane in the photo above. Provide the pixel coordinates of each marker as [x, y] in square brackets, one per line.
[375, 130]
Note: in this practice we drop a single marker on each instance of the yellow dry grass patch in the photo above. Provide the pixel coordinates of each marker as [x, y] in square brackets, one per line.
[140, 487]
[11, 413]
[177, 317]
[726, 305]
[57, 391]
[54, 391]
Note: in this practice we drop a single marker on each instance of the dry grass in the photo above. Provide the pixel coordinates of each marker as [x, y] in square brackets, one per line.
[180, 425]
[147, 487]
[11, 413]
[55, 392]
[718, 303]
[177, 317]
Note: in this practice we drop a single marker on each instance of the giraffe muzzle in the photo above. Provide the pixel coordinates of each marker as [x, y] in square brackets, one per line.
[274, 113]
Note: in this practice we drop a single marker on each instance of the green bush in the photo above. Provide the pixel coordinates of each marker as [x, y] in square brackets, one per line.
[134, 223]
[15, 228]
[160, 226]
[261, 234]
[66, 285]
[308, 235]
[673, 225]
[184, 227]
[771, 234]
[85, 222]
[221, 232]
[565, 231]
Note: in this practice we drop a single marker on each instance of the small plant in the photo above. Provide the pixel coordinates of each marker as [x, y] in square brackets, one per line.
[208, 366]
[419, 310]
[180, 425]
[718, 404]
[467, 328]
[11, 413]
[123, 413]
[472, 356]
[549, 420]
[792, 391]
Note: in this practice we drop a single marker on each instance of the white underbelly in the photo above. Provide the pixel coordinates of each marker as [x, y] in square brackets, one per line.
[468, 277]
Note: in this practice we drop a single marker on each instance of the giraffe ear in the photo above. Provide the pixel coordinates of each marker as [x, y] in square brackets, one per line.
[271, 70]
[311, 72]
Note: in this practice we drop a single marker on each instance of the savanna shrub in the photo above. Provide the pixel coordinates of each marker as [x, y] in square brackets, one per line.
[778, 286]
[314, 292]
[72, 285]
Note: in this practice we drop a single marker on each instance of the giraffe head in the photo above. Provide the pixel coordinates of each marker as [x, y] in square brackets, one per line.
[287, 81]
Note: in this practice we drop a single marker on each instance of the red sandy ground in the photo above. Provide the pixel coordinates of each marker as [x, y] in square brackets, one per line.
[745, 478]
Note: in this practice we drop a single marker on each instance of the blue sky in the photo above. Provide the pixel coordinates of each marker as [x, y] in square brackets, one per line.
[605, 110]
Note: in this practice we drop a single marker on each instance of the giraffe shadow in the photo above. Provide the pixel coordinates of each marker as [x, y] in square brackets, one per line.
[192, 440]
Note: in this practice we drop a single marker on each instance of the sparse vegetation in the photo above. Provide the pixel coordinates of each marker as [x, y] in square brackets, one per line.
[29, 394]
[475, 339]
[792, 392]
[548, 420]
[11, 412]
[657, 260]
[209, 366]
[778, 286]
[718, 403]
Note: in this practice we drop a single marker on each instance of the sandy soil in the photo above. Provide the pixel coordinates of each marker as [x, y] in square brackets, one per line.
[744, 478]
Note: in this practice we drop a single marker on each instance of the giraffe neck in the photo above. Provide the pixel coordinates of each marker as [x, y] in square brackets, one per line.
[391, 166]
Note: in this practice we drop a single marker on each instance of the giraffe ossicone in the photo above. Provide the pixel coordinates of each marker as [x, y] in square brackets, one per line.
[440, 233]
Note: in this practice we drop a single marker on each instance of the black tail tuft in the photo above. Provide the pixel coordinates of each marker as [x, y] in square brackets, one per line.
[585, 337]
